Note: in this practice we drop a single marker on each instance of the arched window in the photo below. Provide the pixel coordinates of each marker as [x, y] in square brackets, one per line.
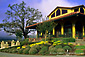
[81, 10]
[64, 11]
[53, 15]
[58, 12]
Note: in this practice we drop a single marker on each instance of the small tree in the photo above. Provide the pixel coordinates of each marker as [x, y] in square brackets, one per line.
[46, 27]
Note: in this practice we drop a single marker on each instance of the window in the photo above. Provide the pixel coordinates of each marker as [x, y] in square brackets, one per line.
[53, 15]
[77, 9]
[81, 10]
[58, 12]
[64, 11]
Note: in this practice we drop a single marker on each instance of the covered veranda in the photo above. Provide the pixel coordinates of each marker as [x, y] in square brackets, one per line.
[70, 25]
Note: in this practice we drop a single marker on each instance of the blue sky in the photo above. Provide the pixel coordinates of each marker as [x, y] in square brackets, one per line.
[45, 6]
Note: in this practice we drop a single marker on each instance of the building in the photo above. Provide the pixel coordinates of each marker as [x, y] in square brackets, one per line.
[71, 21]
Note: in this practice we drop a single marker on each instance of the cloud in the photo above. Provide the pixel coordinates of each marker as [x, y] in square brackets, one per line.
[46, 6]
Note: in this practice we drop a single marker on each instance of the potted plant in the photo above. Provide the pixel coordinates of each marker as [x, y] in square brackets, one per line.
[53, 36]
[84, 37]
[61, 36]
[76, 36]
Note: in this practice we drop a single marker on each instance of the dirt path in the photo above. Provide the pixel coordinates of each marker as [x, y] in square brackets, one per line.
[19, 55]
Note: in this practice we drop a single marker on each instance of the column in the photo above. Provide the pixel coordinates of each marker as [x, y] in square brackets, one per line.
[61, 11]
[79, 9]
[41, 33]
[73, 30]
[62, 29]
[54, 31]
[83, 30]
[37, 34]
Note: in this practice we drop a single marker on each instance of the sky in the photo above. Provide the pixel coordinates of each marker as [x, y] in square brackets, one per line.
[44, 6]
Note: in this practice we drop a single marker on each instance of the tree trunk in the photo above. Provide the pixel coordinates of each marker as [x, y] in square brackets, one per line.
[25, 35]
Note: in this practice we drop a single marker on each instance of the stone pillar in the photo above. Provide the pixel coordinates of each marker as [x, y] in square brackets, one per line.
[29, 39]
[73, 30]
[62, 29]
[17, 43]
[83, 30]
[7, 45]
[2, 44]
[12, 43]
[53, 31]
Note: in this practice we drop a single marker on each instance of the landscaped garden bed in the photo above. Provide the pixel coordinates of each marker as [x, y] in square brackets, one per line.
[55, 47]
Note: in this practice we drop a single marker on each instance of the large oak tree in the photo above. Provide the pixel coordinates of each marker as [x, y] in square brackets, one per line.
[19, 16]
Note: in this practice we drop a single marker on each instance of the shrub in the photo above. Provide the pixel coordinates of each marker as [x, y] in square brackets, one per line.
[37, 47]
[51, 47]
[43, 50]
[71, 40]
[25, 42]
[79, 47]
[20, 51]
[10, 50]
[44, 45]
[61, 35]
[53, 50]
[79, 51]
[0, 45]
[58, 46]
[26, 50]
[52, 35]
[64, 40]
[60, 51]
[33, 51]
[14, 51]
[67, 48]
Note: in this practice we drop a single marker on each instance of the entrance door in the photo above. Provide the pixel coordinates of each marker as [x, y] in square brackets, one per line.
[68, 32]
[79, 30]
[68, 29]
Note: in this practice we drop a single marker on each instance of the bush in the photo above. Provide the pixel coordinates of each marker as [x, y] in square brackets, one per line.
[79, 47]
[72, 40]
[25, 42]
[37, 47]
[61, 35]
[53, 50]
[79, 51]
[43, 51]
[20, 51]
[14, 51]
[51, 47]
[33, 51]
[0, 45]
[67, 48]
[10, 50]
[52, 35]
[26, 50]
[44, 45]
[63, 39]
[60, 51]
[58, 46]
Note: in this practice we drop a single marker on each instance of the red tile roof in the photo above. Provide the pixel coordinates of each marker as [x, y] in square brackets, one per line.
[57, 18]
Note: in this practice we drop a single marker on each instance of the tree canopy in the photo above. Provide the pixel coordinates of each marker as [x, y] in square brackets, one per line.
[19, 16]
[46, 26]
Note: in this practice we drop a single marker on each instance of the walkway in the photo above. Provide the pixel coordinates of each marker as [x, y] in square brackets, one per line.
[19, 55]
